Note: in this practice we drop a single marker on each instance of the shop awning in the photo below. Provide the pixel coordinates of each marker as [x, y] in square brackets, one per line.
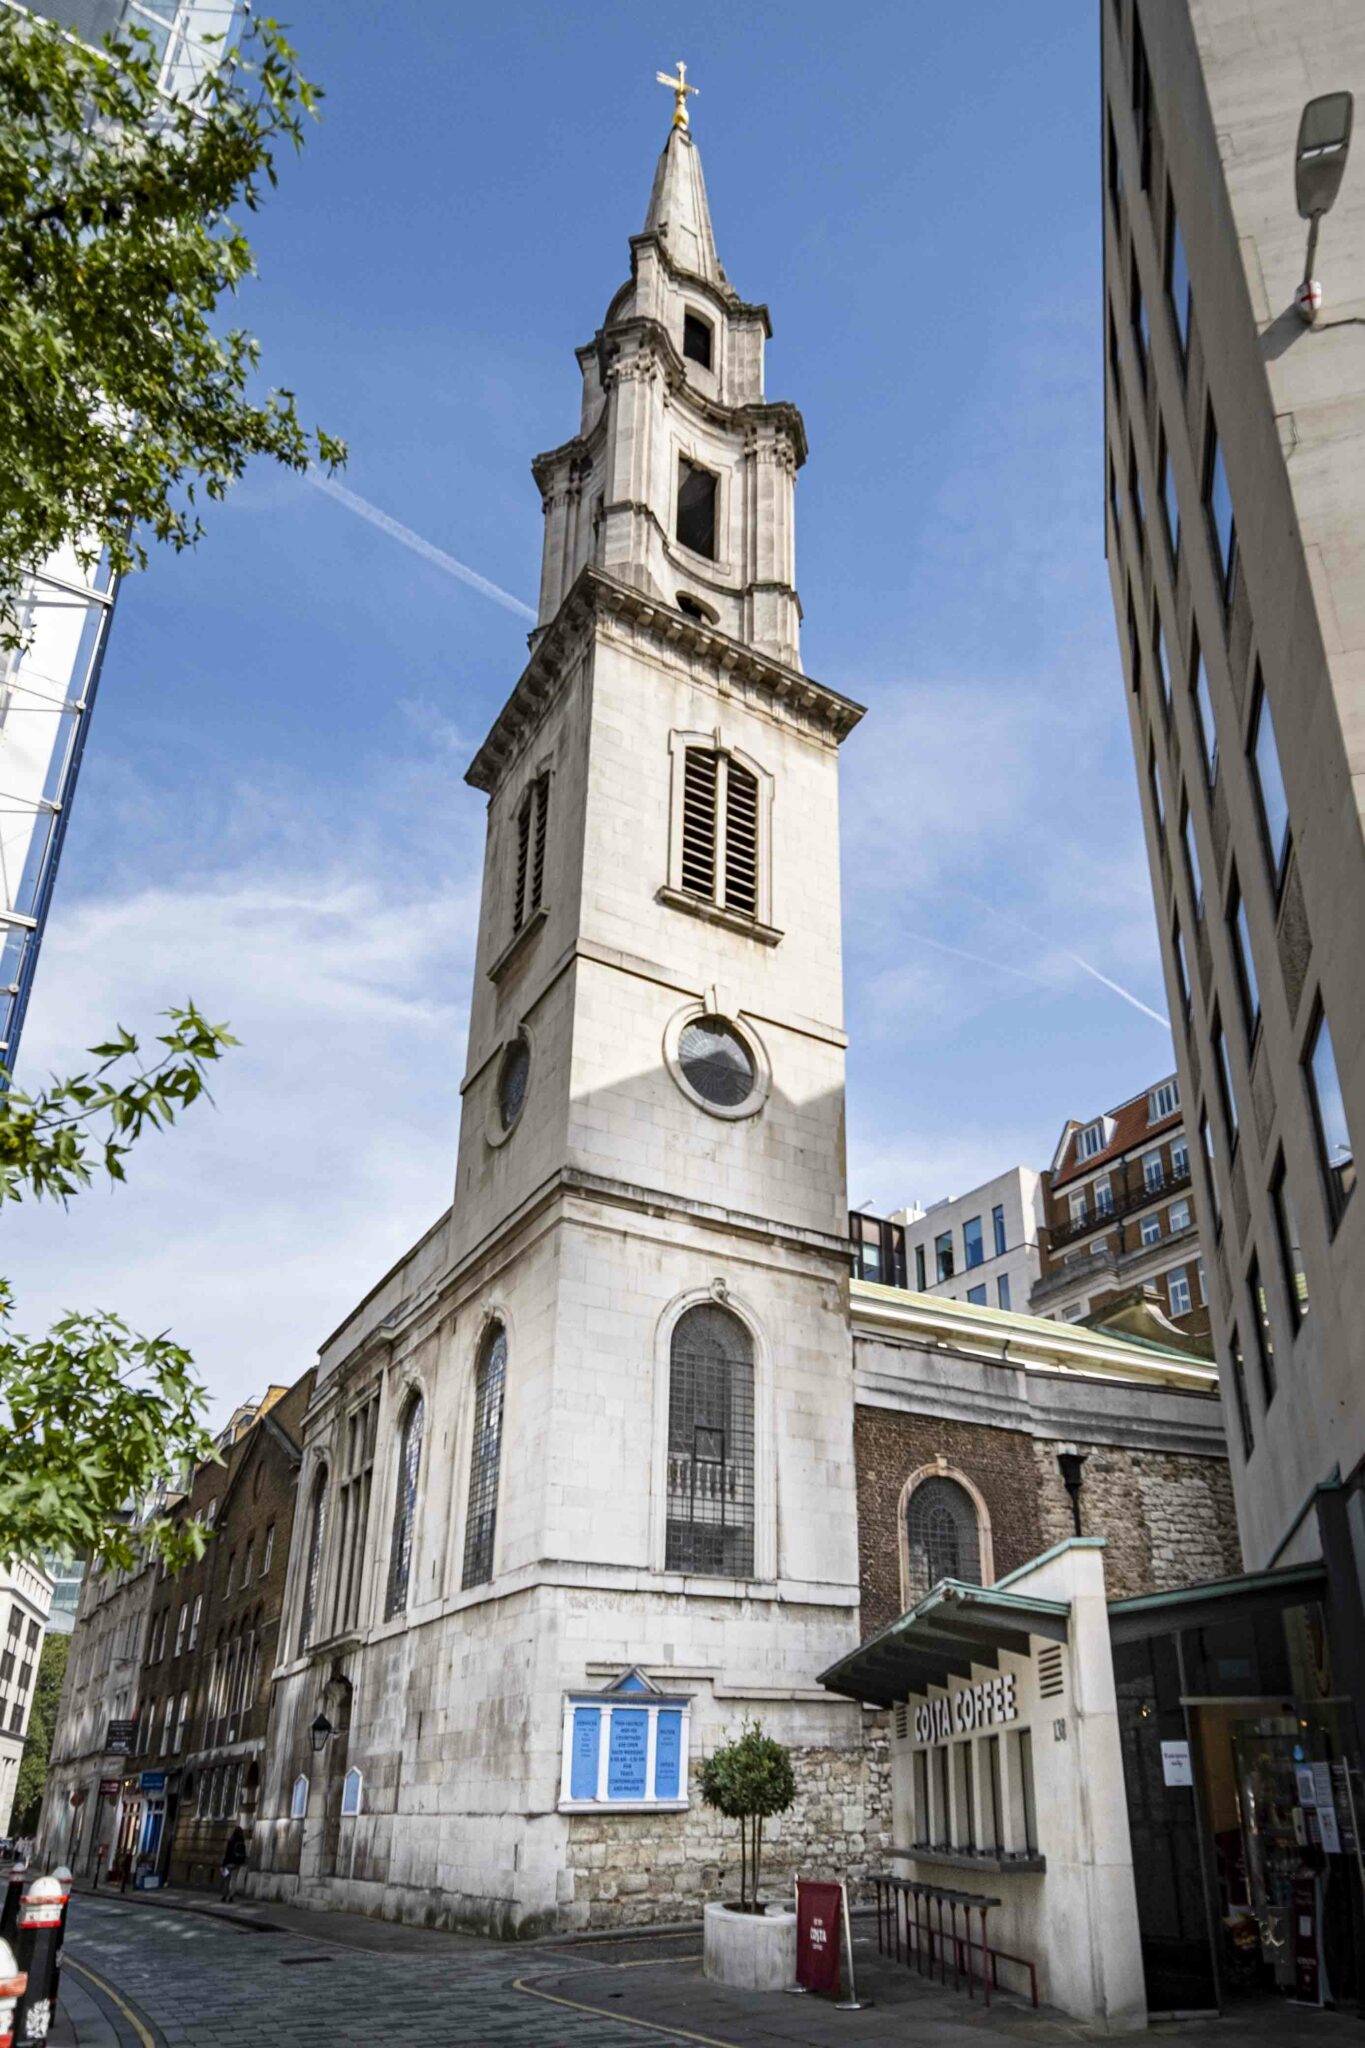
[941, 1637]
[1210, 1601]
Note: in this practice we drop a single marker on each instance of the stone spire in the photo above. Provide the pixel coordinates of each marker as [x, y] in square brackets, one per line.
[678, 212]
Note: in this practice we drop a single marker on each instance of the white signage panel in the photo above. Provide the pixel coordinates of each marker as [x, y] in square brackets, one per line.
[1176, 1768]
[984, 1705]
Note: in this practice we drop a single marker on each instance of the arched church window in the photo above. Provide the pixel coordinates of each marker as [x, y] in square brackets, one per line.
[943, 1536]
[697, 339]
[317, 1529]
[513, 1076]
[696, 521]
[485, 1458]
[405, 1507]
[532, 822]
[720, 830]
[710, 1511]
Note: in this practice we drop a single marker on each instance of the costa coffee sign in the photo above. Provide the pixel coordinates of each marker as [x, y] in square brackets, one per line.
[983, 1705]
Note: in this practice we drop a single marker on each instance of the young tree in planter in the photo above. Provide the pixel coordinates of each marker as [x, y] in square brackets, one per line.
[747, 1781]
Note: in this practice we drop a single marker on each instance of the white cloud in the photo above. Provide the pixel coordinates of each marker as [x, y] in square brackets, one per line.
[344, 969]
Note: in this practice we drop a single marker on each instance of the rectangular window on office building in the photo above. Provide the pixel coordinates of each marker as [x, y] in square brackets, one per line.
[1218, 504]
[1291, 1254]
[1142, 339]
[977, 1295]
[1137, 497]
[998, 1227]
[1153, 1171]
[1239, 940]
[1002, 1291]
[1265, 773]
[1192, 870]
[1223, 1069]
[1203, 713]
[1178, 1290]
[1261, 1330]
[1239, 1391]
[1177, 279]
[1163, 664]
[1182, 965]
[920, 1276]
[973, 1245]
[1335, 1150]
[1151, 1230]
[1206, 1147]
[943, 1256]
[1156, 787]
[1170, 504]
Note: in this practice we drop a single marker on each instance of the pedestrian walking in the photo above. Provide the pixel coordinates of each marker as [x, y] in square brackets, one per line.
[234, 1856]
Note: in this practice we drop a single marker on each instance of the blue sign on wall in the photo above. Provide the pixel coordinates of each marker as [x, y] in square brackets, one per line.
[587, 1741]
[153, 1781]
[667, 1751]
[629, 1748]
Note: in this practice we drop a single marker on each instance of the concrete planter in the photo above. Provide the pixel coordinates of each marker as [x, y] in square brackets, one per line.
[751, 1951]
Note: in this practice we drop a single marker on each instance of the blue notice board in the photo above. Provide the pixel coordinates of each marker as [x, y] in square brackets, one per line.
[629, 1749]
[586, 1747]
[667, 1753]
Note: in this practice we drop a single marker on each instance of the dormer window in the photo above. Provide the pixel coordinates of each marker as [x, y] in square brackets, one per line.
[697, 339]
[1163, 1101]
[1090, 1140]
[696, 522]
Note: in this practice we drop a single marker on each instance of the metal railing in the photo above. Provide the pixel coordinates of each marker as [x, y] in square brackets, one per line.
[1124, 1203]
[918, 1924]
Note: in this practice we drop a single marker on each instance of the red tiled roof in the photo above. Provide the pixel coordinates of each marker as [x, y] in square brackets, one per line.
[1132, 1133]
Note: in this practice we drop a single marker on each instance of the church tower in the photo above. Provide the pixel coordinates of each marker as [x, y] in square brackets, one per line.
[627, 1521]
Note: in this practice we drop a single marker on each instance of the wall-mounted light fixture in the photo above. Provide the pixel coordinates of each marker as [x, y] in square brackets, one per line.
[322, 1732]
[1319, 163]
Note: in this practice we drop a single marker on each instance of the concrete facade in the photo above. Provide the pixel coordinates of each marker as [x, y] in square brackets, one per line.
[1259, 419]
[1008, 1251]
[102, 1684]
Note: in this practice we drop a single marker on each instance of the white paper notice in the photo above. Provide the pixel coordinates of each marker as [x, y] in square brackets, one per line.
[1308, 1792]
[1175, 1763]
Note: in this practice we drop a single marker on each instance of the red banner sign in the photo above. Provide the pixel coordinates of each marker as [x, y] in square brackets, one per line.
[819, 1931]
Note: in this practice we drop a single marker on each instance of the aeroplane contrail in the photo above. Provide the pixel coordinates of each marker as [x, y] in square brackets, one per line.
[425, 548]
[1084, 965]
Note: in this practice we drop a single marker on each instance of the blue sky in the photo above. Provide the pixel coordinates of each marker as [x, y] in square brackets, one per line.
[272, 814]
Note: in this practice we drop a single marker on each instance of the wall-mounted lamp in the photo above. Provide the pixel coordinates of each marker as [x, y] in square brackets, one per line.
[1319, 163]
[1069, 1464]
[322, 1732]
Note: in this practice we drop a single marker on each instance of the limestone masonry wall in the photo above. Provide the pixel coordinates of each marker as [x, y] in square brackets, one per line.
[639, 1869]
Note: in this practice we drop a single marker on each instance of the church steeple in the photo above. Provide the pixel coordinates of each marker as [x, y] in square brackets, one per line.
[681, 478]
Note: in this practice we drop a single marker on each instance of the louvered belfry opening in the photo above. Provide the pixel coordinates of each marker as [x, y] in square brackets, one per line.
[405, 1507]
[532, 822]
[943, 1536]
[485, 1459]
[720, 831]
[710, 1514]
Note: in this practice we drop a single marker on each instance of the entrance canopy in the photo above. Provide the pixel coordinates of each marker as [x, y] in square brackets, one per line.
[941, 1637]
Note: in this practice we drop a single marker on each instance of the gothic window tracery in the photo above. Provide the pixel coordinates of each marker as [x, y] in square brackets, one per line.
[485, 1458]
[710, 1510]
[405, 1507]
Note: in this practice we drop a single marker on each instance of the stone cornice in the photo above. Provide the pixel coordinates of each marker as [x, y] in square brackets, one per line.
[594, 594]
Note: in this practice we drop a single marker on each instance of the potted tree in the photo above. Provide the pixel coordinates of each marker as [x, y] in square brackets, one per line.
[745, 1942]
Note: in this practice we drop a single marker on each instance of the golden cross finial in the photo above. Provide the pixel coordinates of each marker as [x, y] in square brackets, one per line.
[680, 88]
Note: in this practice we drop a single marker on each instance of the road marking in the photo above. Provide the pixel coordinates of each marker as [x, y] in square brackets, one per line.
[621, 2019]
[147, 2040]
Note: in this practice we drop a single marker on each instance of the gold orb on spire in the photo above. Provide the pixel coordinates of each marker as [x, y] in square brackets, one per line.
[679, 88]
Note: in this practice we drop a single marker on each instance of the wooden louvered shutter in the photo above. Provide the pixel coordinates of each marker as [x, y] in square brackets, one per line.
[699, 822]
[523, 855]
[541, 794]
[741, 840]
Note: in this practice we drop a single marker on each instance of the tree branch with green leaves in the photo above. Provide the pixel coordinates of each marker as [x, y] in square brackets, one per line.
[121, 409]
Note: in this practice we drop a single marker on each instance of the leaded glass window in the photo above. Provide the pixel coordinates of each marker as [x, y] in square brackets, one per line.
[485, 1458]
[405, 1507]
[716, 1061]
[710, 1512]
[943, 1536]
[317, 1529]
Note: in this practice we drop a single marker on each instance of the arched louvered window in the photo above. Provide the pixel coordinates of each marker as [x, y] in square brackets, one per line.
[485, 1458]
[317, 1529]
[710, 1513]
[405, 1506]
[720, 836]
[943, 1536]
[532, 824]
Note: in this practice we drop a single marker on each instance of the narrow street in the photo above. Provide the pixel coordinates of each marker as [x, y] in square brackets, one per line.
[157, 1976]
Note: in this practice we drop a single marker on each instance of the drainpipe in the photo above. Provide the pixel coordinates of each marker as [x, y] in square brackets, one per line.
[1069, 1464]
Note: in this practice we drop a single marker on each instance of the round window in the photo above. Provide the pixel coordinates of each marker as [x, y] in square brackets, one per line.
[716, 1062]
[516, 1071]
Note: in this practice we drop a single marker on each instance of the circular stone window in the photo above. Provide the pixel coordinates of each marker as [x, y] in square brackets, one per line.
[717, 1062]
[513, 1075]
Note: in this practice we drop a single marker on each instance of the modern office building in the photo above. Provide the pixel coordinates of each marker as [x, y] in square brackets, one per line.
[47, 689]
[1234, 493]
[1119, 1217]
[980, 1247]
[25, 1598]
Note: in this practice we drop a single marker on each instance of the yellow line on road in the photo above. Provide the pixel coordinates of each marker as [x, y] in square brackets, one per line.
[134, 2022]
[621, 2019]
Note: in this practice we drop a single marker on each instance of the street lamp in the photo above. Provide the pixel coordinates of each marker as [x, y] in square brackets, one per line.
[1319, 161]
[322, 1732]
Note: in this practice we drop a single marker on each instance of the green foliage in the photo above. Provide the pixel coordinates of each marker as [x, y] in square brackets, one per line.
[120, 408]
[98, 1420]
[749, 1780]
[42, 1722]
